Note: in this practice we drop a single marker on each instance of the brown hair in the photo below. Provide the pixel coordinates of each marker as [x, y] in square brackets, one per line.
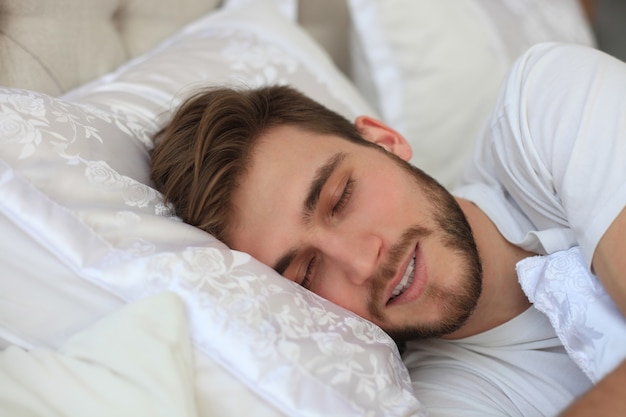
[200, 156]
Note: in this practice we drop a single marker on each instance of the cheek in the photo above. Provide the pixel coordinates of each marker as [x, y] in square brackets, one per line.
[351, 298]
[389, 200]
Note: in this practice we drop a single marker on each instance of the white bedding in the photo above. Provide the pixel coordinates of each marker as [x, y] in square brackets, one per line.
[85, 234]
[74, 177]
[109, 368]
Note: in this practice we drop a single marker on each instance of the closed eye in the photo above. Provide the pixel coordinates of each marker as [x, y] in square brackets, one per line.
[308, 274]
[345, 197]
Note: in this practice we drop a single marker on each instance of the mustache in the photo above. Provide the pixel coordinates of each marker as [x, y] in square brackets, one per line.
[389, 268]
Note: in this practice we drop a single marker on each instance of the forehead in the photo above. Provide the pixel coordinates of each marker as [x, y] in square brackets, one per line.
[291, 150]
[271, 192]
[288, 140]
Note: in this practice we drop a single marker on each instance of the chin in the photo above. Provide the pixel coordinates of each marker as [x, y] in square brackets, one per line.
[456, 308]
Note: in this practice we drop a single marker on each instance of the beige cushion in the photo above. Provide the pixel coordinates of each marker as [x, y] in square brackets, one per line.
[52, 46]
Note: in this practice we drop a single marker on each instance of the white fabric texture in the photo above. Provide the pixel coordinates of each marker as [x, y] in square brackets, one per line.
[500, 372]
[74, 175]
[433, 68]
[135, 362]
[28, 298]
[586, 319]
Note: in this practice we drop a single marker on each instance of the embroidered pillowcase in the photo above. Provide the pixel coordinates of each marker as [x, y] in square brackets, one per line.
[74, 175]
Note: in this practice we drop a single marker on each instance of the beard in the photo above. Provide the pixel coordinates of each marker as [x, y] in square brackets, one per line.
[453, 229]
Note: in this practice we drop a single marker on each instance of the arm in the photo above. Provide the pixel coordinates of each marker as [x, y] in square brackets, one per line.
[609, 261]
[606, 399]
[576, 129]
[609, 264]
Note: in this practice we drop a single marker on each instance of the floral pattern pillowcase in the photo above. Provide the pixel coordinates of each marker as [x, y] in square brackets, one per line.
[74, 173]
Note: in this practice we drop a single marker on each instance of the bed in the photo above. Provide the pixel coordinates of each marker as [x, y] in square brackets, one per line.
[109, 304]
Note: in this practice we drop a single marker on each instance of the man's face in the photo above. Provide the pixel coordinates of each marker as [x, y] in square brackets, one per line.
[353, 225]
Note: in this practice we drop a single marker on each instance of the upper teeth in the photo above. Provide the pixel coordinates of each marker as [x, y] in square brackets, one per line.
[406, 280]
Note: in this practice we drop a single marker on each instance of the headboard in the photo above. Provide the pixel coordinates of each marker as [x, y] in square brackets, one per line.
[53, 46]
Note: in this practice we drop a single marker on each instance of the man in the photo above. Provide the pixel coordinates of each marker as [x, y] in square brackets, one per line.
[276, 175]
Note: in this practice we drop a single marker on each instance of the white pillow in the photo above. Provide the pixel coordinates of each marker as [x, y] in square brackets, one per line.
[74, 174]
[108, 369]
[433, 68]
[230, 47]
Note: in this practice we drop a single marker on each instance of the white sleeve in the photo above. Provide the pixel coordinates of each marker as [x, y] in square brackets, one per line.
[556, 145]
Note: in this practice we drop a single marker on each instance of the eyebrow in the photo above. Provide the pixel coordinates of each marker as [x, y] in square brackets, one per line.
[309, 206]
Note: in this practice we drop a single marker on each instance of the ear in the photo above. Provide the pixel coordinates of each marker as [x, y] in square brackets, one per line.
[375, 131]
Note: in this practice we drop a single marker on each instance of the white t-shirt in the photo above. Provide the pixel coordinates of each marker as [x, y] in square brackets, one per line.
[500, 372]
[550, 169]
[550, 172]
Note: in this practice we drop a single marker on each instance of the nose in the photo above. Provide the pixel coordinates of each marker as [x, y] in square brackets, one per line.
[353, 256]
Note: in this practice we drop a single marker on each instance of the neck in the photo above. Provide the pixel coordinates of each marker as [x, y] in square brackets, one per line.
[502, 297]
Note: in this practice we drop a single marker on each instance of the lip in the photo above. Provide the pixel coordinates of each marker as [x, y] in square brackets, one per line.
[418, 283]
